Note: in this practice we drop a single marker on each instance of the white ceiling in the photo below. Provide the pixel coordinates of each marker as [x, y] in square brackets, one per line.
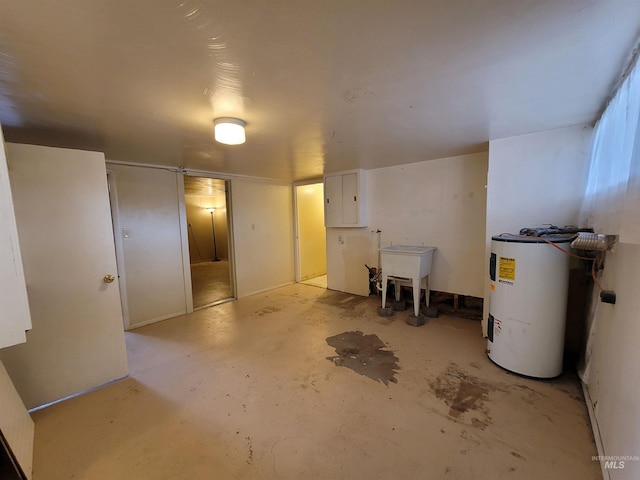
[324, 85]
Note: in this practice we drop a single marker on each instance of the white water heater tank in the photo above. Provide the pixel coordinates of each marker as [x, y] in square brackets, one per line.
[528, 303]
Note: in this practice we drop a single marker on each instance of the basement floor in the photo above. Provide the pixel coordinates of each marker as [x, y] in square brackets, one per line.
[252, 390]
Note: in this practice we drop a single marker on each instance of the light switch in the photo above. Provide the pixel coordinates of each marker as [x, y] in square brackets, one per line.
[125, 232]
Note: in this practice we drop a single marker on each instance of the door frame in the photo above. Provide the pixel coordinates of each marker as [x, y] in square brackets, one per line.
[296, 227]
[119, 246]
[186, 261]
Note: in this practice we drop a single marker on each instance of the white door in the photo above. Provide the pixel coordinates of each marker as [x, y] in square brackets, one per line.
[15, 423]
[16, 319]
[64, 227]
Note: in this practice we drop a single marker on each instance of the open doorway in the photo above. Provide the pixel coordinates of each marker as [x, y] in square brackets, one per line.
[206, 202]
[311, 234]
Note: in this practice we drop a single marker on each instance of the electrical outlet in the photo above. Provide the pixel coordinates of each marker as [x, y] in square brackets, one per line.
[340, 239]
[608, 296]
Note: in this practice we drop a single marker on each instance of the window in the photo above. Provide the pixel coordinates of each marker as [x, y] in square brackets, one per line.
[612, 197]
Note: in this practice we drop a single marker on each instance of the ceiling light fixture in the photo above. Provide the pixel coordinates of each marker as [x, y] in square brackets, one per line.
[229, 130]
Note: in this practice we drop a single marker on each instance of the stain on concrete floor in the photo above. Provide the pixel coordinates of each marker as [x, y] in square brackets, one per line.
[364, 354]
[342, 300]
[463, 393]
[267, 310]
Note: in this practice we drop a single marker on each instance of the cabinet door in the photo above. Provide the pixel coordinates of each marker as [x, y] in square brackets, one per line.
[333, 201]
[350, 199]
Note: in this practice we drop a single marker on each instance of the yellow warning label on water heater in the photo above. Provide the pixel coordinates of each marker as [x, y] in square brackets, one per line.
[507, 268]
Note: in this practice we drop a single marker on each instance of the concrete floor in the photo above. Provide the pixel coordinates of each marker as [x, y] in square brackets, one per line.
[319, 281]
[210, 282]
[245, 390]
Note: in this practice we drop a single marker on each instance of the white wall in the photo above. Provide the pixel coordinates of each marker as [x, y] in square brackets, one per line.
[148, 207]
[262, 215]
[438, 203]
[534, 180]
[613, 382]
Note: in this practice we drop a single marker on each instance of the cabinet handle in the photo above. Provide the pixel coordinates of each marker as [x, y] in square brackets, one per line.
[327, 200]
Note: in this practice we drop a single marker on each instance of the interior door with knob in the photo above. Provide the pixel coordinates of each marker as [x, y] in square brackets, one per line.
[63, 217]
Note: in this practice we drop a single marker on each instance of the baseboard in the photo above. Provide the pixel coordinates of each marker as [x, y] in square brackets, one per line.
[73, 395]
[268, 289]
[154, 320]
[596, 430]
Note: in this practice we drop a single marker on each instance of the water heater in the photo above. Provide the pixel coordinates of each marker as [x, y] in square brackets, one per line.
[528, 303]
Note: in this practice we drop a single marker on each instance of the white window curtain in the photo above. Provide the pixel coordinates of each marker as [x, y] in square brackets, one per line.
[612, 199]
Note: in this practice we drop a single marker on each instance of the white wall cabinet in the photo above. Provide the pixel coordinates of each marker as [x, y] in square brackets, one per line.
[345, 199]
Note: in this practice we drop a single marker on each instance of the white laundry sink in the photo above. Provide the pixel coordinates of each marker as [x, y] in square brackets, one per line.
[408, 262]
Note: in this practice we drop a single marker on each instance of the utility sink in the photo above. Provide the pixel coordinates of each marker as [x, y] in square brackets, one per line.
[409, 263]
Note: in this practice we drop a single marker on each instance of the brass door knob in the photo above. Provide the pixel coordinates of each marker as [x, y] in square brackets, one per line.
[108, 279]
